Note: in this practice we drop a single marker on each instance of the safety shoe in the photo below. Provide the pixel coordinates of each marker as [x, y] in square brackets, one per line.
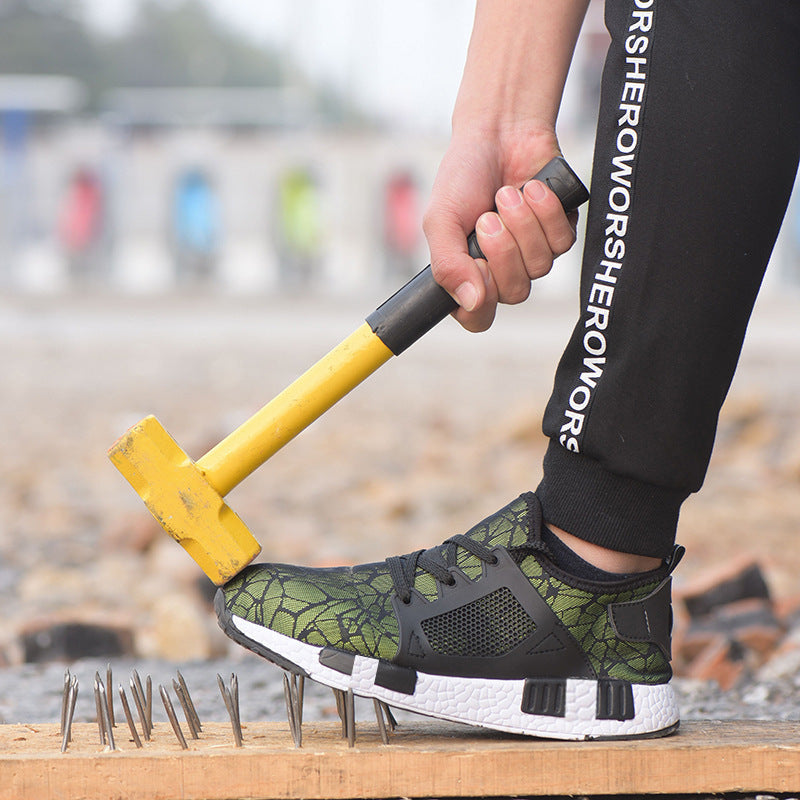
[484, 629]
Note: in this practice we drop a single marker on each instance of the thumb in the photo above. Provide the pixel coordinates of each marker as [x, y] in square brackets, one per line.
[466, 279]
[453, 268]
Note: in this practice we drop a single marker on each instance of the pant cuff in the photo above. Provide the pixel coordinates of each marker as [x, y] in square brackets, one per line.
[581, 497]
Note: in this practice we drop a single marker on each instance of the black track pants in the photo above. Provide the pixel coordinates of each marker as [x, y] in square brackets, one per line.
[696, 153]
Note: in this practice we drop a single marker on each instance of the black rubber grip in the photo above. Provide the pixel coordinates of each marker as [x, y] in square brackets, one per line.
[421, 304]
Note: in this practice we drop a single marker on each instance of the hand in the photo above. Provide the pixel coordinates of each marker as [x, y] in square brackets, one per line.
[520, 240]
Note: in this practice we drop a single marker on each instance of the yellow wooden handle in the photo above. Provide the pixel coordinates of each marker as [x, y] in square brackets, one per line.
[294, 409]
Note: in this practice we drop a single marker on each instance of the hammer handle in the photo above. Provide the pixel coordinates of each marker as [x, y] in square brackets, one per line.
[389, 330]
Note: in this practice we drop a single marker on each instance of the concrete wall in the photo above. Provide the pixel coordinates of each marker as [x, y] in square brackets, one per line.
[138, 172]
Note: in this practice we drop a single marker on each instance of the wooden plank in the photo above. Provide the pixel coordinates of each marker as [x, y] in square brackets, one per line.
[425, 759]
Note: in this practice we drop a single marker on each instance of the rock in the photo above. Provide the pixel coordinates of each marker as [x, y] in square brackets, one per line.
[180, 629]
[70, 640]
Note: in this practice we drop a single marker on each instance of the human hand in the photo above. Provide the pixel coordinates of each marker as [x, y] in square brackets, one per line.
[528, 230]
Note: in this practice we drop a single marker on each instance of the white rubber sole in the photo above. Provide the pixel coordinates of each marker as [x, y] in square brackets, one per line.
[495, 704]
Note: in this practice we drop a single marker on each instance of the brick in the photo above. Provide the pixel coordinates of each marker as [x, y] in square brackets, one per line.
[739, 579]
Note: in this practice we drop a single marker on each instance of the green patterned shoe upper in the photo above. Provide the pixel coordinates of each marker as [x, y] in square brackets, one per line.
[345, 607]
[351, 608]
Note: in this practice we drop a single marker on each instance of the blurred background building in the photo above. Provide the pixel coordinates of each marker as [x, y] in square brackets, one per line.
[155, 145]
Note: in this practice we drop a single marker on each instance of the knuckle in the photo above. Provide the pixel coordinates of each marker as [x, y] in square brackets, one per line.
[518, 293]
[500, 247]
[449, 272]
[538, 267]
[563, 242]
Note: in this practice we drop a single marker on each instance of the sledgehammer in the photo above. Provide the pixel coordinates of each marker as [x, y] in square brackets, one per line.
[186, 497]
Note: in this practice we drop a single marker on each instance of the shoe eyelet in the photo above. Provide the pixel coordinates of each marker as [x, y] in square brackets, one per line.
[494, 560]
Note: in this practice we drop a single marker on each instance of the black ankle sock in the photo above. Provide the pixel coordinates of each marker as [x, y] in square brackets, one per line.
[568, 560]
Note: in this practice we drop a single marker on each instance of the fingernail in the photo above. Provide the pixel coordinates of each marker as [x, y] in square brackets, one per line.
[509, 197]
[489, 224]
[467, 296]
[536, 190]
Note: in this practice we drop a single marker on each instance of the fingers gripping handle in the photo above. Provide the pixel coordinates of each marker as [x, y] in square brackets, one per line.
[421, 304]
[561, 180]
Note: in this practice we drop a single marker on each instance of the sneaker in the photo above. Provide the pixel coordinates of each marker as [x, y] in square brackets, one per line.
[484, 629]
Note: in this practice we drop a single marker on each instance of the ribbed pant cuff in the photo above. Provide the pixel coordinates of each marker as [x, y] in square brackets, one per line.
[581, 497]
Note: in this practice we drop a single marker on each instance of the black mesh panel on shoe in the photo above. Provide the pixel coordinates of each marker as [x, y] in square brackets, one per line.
[490, 626]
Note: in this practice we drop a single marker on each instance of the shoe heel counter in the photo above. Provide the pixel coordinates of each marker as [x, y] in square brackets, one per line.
[647, 620]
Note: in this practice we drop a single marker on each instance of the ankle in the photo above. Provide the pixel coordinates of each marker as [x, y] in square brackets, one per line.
[604, 559]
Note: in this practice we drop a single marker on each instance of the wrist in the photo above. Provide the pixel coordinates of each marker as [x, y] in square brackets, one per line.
[517, 63]
[483, 128]
[512, 150]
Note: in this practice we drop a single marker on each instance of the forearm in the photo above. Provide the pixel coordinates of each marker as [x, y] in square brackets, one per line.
[518, 59]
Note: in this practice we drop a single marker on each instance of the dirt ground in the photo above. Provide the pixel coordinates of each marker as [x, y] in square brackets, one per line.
[433, 442]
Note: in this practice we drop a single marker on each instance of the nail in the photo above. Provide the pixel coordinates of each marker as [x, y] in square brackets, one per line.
[185, 706]
[535, 190]
[98, 710]
[287, 696]
[110, 695]
[72, 698]
[149, 701]
[190, 702]
[376, 704]
[351, 718]
[509, 197]
[301, 696]
[103, 717]
[234, 717]
[139, 701]
[129, 717]
[104, 708]
[339, 695]
[235, 700]
[64, 700]
[173, 720]
[489, 224]
[467, 296]
[293, 712]
[389, 717]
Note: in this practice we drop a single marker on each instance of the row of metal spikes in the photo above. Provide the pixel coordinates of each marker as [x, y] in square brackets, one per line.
[143, 700]
[142, 693]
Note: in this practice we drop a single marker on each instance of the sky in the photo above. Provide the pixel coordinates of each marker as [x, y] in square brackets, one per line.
[402, 59]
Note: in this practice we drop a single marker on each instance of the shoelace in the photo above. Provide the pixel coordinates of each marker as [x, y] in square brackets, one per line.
[403, 569]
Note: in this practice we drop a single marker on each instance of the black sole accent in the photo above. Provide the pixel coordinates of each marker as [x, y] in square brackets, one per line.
[544, 697]
[398, 679]
[337, 659]
[614, 700]
[224, 618]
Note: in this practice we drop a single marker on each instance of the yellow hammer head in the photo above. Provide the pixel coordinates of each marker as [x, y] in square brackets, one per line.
[183, 502]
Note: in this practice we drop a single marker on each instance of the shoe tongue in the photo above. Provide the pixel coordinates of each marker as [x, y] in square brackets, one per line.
[509, 527]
